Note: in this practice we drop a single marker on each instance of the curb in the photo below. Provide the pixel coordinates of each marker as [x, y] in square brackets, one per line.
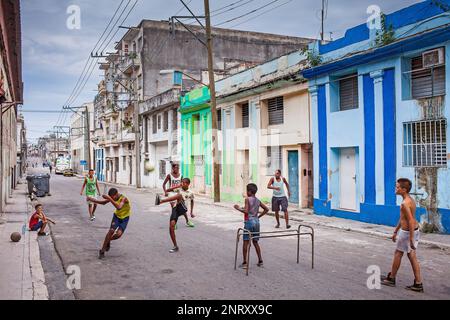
[40, 291]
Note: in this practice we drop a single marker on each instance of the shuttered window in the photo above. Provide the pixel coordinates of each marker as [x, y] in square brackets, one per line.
[245, 116]
[274, 159]
[348, 93]
[154, 125]
[426, 82]
[166, 121]
[219, 119]
[276, 111]
[425, 143]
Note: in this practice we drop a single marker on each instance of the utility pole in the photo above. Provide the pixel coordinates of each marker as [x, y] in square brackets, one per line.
[88, 139]
[212, 89]
[322, 33]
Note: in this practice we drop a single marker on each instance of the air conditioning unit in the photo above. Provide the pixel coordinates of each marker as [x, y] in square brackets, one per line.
[433, 57]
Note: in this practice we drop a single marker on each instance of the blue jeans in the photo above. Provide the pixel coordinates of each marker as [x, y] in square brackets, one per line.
[253, 226]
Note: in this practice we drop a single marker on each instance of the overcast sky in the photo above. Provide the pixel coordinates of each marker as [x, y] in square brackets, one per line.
[54, 55]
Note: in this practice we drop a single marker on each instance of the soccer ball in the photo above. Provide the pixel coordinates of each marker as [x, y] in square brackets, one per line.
[15, 237]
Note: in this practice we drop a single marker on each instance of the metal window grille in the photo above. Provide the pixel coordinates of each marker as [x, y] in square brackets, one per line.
[426, 82]
[274, 158]
[276, 110]
[166, 121]
[348, 93]
[425, 143]
[245, 116]
[159, 122]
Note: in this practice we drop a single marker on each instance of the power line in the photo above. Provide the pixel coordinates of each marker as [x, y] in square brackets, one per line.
[259, 15]
[248, 13]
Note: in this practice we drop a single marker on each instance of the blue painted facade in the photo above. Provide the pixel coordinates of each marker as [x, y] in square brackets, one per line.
[374, 131]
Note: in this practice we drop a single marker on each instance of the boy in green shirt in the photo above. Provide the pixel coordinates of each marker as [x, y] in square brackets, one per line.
[91, 185]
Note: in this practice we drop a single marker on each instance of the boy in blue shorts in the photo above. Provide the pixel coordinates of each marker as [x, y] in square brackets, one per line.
[251, 224]
[120, 219]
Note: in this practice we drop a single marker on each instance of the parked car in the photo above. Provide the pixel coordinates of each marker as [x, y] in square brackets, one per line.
[68, 173]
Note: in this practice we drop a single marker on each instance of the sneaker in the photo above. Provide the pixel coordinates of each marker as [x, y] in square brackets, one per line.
[43, 234]
[101, 254]
[190, 224]
[243, 265]
[288, 227]
[388, 281]
[92, 218]
[157, 200]
[260, 264]
[277, 226]
[174, 250]
[416, 287]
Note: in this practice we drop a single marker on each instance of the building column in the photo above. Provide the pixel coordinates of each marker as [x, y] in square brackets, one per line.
[254, 132]
[377, 77]
[315, 137]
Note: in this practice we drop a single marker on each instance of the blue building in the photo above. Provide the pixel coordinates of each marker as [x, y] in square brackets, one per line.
[380, 111]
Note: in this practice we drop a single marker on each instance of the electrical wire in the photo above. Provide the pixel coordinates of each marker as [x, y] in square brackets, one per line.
[259, 15]
[246, 14]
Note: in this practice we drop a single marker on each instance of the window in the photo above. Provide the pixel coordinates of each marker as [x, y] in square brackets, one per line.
[426, 82]
[425, 143]
[159, 122]
[124, 163]
[274, 158]
[166, 121]
[199, 166]
[276, 111]
[154, 128]
[348, 93]
[162, 169]
[245, 116]
[175, 119]
[219, 119]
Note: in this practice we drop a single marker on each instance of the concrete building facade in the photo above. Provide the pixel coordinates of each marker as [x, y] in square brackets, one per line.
[380, 112]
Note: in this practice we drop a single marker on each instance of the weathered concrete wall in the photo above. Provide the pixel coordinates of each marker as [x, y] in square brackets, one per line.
[182, 51]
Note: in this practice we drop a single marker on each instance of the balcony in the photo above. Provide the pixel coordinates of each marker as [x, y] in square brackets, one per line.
[109, 140]
[110, 112]
[126, 136]
[130, 63]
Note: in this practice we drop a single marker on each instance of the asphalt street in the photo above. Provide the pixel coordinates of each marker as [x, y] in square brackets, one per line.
[139, 266]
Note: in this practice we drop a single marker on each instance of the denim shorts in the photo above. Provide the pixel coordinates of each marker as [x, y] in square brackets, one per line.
[119, 223]
[37, 226]
[253, 226]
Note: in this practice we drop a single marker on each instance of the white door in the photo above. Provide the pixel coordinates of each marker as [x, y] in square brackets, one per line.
[347, 179]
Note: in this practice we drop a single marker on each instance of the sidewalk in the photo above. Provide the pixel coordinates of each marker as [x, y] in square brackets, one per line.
[21, 273]
[307, 216]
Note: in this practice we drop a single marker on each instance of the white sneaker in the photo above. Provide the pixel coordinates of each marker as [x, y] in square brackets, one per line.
[92, 218]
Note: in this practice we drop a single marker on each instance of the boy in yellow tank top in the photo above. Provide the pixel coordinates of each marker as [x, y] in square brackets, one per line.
[120, 218]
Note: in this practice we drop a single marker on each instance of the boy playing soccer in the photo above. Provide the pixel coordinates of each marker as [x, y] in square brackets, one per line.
[406, 235]
[120, 218]
[39, 220]
[180, 208]
[91, 184]
[251, 218]
[174, 180]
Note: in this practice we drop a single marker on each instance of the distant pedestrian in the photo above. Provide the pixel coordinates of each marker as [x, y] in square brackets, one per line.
[91, 185]
[51, 168]
[120, 219]
[180, 209]
[279, 198]
[38, 221]
[174, 180]
[406, 235]
[251, 223]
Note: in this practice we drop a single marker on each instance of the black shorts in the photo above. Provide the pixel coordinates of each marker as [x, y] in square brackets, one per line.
[178, 211]
[279, 203]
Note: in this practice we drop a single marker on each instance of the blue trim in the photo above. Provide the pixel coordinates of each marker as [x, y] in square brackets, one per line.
[369, 213]
[369, 140]
[323, 149]
[427, 39]
[390, 151]
[398, 19]
[445, 219]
